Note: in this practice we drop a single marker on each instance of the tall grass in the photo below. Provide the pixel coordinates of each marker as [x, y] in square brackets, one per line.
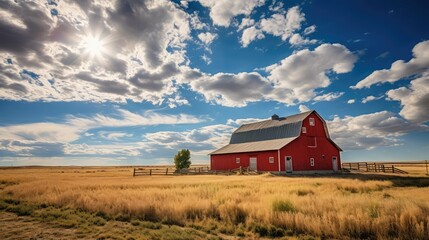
[263, 205]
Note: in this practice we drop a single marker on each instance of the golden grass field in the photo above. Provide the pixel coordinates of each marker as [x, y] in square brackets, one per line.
[108, 203]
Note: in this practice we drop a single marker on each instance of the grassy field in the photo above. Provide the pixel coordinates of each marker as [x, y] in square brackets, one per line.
[108, 203]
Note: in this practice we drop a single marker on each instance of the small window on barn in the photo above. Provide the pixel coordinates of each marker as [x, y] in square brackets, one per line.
[271, 159]
[312, 123]
[312, 162]
[237, 160]
[304, 130]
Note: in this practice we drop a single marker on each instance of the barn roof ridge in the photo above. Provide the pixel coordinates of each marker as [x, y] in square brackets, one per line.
[273, 123]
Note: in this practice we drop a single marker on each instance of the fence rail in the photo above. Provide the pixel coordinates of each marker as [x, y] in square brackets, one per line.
[169, 171]
[372, 167]
[191, 171]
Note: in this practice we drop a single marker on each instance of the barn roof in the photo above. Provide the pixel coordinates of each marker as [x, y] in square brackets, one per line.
[278, 128]
[258, 146]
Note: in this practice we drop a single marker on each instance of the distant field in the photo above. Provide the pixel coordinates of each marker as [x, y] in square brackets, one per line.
[108, 203]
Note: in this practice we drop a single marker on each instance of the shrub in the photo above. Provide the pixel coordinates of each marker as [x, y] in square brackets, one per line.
[283, 206]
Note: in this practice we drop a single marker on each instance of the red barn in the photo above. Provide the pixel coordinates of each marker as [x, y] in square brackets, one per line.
[297, 143]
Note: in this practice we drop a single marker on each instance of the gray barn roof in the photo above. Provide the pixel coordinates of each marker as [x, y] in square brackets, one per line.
[287, 127]
[268, 135]
[267, 145]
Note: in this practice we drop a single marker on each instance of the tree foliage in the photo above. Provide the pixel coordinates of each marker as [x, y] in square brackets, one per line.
[182, 159]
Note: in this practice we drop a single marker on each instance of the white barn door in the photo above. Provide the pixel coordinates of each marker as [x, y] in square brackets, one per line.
[288, 164]
[334, 164]
[253, 163]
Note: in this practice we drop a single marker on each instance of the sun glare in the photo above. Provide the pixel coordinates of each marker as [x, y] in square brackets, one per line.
[93, 46]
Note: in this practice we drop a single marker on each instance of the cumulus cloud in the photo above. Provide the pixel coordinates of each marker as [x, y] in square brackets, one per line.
[232, 89]
[223, 11]
[284, 24]
[207, 38]
[369, 131]
[414, 99]
[418, 65]
[291, 81]
[304, 71]
[250, 34]
[351, 101]
[89, 51]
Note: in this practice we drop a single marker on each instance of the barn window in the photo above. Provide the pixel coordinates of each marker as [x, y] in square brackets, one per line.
[312, 123]
[304, 130]
[271, 159]
[237, 160]
[312, 162]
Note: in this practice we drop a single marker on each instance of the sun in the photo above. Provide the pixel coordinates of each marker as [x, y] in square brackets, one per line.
[93, 46]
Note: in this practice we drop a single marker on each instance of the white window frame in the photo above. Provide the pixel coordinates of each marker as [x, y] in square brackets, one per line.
[312, 122]
[312, 162]
[237, 160]
[271, 159]
[304, 130]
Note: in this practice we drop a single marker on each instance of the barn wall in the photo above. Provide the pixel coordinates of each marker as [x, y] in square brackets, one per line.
[301, 153]
[227, 161]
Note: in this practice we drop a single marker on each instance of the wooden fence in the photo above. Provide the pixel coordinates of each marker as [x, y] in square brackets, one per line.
[169, 171]
[372, 167]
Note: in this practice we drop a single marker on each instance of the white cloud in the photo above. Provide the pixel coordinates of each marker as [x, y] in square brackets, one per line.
[291, 81]
[303, 108]
[414, 99]
[223, 11]
[400, 69]
[241, 121]
[297, 40]
[207, 38]
[65, 69]
[196, 22]
[114, 135]
[245, 22]
[351, 101]
[328, 96]
[250, 34]
[369, 131]
[370, 98]
[283, 25]
[206, 59]
[234, 90]
[47, 138]
[305, 70]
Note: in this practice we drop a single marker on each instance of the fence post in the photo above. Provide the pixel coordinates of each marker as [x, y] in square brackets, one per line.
[150, 172]
[134, 172]
[166, 171]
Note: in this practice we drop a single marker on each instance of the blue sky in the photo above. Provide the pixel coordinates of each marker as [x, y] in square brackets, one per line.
[132, 82]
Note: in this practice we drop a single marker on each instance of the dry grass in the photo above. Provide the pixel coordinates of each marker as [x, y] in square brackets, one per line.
[265, 205]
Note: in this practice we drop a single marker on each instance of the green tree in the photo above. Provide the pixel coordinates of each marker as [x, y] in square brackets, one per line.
[181, 160]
